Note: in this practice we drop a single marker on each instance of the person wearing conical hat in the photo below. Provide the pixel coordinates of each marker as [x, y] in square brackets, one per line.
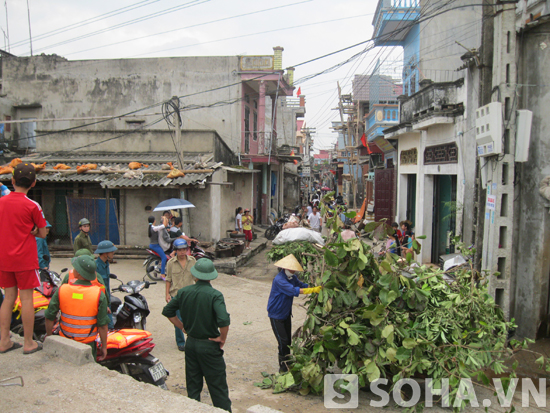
[285, 287]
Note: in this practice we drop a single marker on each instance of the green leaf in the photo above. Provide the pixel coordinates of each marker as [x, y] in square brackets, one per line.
[421, 237]
[387, 331]
[390, 354]
[353, 337]
[350, 214]
[409, 257]
[373, 372]
[331, 258]
[265, 374]
[385, 280]
[267, 382]
[403, 353]
[409, 343]
[326, 276]
[386, 266]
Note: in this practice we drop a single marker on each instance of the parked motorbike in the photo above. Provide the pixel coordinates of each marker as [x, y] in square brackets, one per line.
[133, 312]
[197, 252]
[129, 352]
[273, 230]
[50, 281]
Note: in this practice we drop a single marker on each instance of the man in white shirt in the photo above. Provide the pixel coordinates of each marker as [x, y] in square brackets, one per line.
[315, 220]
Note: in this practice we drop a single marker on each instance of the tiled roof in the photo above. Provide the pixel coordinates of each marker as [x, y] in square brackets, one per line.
[116, 179]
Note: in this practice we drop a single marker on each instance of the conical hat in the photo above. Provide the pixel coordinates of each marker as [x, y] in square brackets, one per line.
[289, 263]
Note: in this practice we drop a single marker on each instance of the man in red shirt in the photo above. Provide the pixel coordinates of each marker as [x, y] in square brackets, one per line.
[21, 219]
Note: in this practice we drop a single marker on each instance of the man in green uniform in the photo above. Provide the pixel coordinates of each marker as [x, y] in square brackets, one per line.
[106, 251]
[79, 253]
[82, 240]
[84, 272]
[205, 320]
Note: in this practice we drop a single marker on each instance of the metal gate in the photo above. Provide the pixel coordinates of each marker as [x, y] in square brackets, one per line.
[384, 195]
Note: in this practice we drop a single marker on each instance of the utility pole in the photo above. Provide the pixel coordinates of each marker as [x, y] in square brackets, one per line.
[347, 140]
[500, 169]
[307, 160]
[177, 125]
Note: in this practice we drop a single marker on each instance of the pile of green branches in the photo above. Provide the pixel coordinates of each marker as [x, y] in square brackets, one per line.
[304, 252]
[375, 320]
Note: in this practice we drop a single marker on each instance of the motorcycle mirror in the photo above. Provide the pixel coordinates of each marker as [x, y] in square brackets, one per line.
[64, 270]
[112, 276]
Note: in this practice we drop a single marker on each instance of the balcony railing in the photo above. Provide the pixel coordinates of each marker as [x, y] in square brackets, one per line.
[436, 98]
[390, 19]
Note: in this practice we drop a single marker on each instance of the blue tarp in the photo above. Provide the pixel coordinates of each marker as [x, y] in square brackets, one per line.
[95, 210]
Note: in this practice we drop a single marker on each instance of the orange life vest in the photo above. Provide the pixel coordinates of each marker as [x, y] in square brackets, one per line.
[125, 337]
[38, 299]
[95, 282]
[79, 305]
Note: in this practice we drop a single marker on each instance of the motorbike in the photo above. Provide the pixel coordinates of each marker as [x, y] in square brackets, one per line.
[133, 312]
[277, 227]
[129, 352]
[153, 263]
[50, 281]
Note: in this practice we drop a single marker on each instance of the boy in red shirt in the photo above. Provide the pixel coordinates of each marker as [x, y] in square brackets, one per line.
[21, 219]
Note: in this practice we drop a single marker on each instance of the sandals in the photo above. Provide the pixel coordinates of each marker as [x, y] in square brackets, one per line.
[38, 348]
[14, 347]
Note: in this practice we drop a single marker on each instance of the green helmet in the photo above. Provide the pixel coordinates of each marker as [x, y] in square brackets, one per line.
[83, 221]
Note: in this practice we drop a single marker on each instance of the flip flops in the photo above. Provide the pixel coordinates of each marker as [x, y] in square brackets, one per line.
[38, 348]
[14, 347]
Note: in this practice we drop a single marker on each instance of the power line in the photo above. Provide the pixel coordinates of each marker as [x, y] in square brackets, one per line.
[88, 21]
[129, 22]
[190, 27]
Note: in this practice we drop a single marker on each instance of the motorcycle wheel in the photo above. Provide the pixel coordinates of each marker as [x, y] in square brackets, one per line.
[271, 233]
[151, 268]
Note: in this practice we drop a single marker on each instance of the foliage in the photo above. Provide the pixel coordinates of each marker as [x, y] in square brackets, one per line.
[376, 320]
[304, 252]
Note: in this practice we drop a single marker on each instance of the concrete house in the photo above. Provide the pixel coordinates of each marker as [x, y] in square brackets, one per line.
[110, 112]
[434, 135]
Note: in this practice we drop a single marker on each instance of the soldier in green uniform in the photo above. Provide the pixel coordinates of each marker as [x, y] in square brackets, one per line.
[82, 240]
[205, 320]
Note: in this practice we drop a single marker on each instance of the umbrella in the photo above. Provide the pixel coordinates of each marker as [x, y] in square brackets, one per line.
[325, 188]
[174, 203]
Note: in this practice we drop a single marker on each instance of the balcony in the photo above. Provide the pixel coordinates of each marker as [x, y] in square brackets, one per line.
[392, 21]
[438, 100]
[379, 118]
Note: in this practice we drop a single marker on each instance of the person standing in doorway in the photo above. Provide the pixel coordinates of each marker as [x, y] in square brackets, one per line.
[247, 221]
[178, 275]
[315, 220]
[284, 288]
[206, 322]
[21, 219]
[239, 219]
[82, 240]
[43, 251]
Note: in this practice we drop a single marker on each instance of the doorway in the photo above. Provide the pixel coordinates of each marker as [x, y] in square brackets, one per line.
[411, 199]
[444, 215]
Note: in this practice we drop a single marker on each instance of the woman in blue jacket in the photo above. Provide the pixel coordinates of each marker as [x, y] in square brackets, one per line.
[43, 251]
[285, 287]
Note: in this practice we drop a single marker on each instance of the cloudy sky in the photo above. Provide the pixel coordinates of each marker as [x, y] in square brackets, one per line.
[100, 29]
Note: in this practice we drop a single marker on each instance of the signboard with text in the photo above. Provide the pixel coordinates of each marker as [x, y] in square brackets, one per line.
[256, 63]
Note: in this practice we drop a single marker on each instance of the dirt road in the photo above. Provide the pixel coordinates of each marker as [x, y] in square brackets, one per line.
[251, 347]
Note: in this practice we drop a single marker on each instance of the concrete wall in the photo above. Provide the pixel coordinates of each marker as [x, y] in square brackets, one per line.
[238, 195]
[532, 230]
[67, 89]
[146, 141]
[132, 209]
[439, 54]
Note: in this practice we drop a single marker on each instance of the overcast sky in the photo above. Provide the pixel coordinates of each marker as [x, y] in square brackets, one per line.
[101, 29]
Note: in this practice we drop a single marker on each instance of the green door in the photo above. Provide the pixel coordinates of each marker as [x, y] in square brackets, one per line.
[411, 198]
[444, 215]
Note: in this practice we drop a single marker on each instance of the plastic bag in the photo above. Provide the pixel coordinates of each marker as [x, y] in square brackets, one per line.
[175, 173]
[298, 234]
[61, 167]
[137, 165]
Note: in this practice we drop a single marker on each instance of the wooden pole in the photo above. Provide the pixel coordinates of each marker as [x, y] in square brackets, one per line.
[107, 212]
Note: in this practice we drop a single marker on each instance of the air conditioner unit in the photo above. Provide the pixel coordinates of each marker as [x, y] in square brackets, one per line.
[489, 129]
